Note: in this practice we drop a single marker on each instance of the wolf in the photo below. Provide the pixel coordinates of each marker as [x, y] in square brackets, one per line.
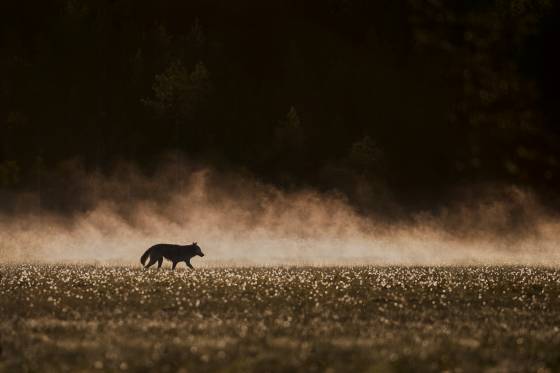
[174, 253]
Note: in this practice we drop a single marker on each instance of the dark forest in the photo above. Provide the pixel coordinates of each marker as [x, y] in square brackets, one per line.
[389, 102]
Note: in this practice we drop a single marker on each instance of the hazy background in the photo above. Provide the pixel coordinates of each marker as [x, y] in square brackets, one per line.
[338, 131]
[240, 221]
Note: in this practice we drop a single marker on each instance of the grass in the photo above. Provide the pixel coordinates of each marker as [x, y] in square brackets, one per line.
[378, 319]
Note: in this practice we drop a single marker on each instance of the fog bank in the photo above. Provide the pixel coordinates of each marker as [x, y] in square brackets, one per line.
[239, 221]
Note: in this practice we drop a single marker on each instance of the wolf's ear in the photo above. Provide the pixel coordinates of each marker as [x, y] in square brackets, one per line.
[194, 243]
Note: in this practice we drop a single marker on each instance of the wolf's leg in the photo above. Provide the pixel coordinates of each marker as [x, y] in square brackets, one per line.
[189, 264]
[159, 262]
[174, 264]
[151, 262]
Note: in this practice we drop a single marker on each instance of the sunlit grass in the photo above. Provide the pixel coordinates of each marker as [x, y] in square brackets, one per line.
[70, 317]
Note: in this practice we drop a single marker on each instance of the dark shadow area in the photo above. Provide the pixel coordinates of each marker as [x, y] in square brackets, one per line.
[398, 105]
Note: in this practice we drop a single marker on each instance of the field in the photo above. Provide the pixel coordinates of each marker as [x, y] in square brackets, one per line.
[463, 319]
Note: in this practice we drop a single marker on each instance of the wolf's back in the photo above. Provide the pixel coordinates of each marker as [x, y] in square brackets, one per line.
[145, 256]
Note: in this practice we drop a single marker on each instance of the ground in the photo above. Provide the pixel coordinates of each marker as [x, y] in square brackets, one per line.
[88, 318]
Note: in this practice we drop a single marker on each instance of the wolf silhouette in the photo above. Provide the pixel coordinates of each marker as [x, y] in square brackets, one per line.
[174, 253]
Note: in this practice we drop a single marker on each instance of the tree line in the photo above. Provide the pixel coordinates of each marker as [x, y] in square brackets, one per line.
[387, 100]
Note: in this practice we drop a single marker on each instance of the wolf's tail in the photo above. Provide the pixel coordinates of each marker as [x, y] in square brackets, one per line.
[145, 256]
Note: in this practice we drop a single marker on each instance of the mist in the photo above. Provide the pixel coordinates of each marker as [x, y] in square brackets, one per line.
[238, 220]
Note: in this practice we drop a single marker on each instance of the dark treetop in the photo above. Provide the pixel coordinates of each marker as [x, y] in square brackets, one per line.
[401, 100]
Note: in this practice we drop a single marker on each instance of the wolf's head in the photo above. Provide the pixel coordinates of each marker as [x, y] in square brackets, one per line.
[197, 249]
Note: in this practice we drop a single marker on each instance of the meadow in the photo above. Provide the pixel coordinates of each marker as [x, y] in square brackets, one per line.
[276, 319]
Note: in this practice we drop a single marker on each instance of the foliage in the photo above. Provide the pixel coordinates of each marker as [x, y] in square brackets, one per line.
[364, 154]
[179, 92]
[9, 173]
[451, 92]
[289, 132]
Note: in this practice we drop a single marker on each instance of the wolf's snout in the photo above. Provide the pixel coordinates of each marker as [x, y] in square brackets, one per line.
[201, 254]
